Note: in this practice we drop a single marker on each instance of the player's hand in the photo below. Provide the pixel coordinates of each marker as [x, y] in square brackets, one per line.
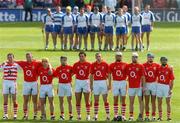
[109, 87]
[144, 89]
[170, 92]
[91, 87]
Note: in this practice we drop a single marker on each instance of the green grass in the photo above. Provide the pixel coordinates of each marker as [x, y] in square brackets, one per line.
[20, 38]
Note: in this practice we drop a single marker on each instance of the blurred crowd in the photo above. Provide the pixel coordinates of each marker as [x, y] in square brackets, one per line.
[81, 3]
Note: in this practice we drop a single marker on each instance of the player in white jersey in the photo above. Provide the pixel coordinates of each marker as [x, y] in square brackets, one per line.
[57, 16]
[103, 12]
[10, 69]
[95, 20]
[82, 28]
[120, 23]
[48, 26]
[147, 24]
[108, 20]
[128, 18]
[136, 22]
[68, 27]
[75, 13]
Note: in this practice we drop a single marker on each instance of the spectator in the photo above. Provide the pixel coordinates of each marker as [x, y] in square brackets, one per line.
[159, 3]
[28, 4]
[19, 4]
[111, 4]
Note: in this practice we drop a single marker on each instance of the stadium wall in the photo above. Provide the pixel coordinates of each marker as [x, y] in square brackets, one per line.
[17, 15]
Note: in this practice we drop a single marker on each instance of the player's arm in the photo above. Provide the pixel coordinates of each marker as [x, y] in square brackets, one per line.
[91, 81]
[171, 84]
[50, 72]
[109, 81]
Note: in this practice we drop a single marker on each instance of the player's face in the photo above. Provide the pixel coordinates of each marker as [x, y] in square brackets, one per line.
[96, 10]
[10, 58]
[109, 10]
[118, 58]
[45, 63]
[75, 10]
[134, 59]
[89, 9]
[147, 8]
[125, 8]
[164, 62]
[29, 57]
[63, 61]
[82, 57]
[150, 59]
[49, 12]
[136, 10]
[104, 9]
[82, 11]
[58, 9]
[98, 57]
[120, 12]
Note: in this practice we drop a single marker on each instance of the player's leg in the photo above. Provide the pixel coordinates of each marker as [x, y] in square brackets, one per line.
[141, 107]
[123, 42]
[51, 105]
[131, 107]
[123, 92]
[5, 105]
[65, 41]
[111, 41]
[92, 37]
[106, 42]
[140, 41]
[117, 42]
[86, 98]
[69, 99]
[106, 106]
[160, 108]
[43, 113]
[96, 107]
[168, 103]
[25, 106]
[116, 94]
[62, 40]
[142, 37]
[132, 41]
[78, 96]
[99, 40]
[153, 103]
[15, 105]
[54, 34]
[116, 107]
[80, 41]
[47, 40]
[71, 41]
[85, 41]
[35, 105]
[148, 40]
[147, 98]
[61, 105]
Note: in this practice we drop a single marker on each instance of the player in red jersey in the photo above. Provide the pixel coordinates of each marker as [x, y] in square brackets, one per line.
[98, 79]
[46, 75]
[10, 69]
[118, 73]
[164, 86]
[82, 71]
[64, 73]
[135, 74]
[30, 86]
[150, 86]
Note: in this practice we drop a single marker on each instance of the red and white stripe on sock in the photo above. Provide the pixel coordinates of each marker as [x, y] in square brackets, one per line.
[130, 114]
[96, 108]
[88, 109]
[160, 114]
[5, 109]
[106, 106]
[123, 110]
[15, 109]
[147, 114]
[78, 109]
[168, 114]
[25, 112]
[116, 110]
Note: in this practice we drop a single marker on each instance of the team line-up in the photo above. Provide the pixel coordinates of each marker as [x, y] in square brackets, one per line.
[149, 80]
[76, 26]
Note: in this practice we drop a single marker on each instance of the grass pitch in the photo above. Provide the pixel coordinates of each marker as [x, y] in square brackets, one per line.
[20, 38]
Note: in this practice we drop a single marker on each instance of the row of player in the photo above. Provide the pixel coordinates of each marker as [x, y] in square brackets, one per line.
[77, 25]
[149, 80]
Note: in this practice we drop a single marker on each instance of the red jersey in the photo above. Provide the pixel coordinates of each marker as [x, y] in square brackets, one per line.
[100, 70]
[82, 70]
[151, 72]
[134, 73]
[30, 70]
[64, 74]
[118, 70]
[165, 75]
[10, 71]
[45, 78]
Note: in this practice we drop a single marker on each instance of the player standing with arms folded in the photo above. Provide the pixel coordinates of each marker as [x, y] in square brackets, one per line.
[136, 21]
[95, 20]
[150, 87]
[120, 23]
[64, 73]
[82, 84]
[48, 27]
[82, 28]
[165, 84]
[68, 22]
[57, 16]
[135, 74]
[30, 86]
[46, 75]
[100, 84]
[108, 20]
[118, 73]
[147, 24]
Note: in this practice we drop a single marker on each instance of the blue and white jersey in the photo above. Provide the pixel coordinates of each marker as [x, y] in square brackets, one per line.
[57, 16]
[82, 20]
[109, 19]
[136, 20]
[120, 21]
[147, 18]
[128, 17]
[103, 13]
[68, 20]
[88, 14]
[95, 19]
[47, 20]
[75, 16]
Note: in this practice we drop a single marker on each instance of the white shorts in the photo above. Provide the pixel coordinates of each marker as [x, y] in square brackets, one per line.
[119, 88]
[9, 87]
[150, 88]
[65, 90]
[100, 87]
[30, 88]
[135, 91]
[46, 90]
[162, 90]
[82, 86]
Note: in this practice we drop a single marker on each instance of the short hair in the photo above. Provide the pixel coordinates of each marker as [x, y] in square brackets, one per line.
[82, 53]
[63, 57]
[45, 59]
[82, 8]
[98, 53]
[10, 54]
[29, 53]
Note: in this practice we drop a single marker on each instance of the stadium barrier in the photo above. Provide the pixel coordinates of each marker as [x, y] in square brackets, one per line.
[17, 15]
